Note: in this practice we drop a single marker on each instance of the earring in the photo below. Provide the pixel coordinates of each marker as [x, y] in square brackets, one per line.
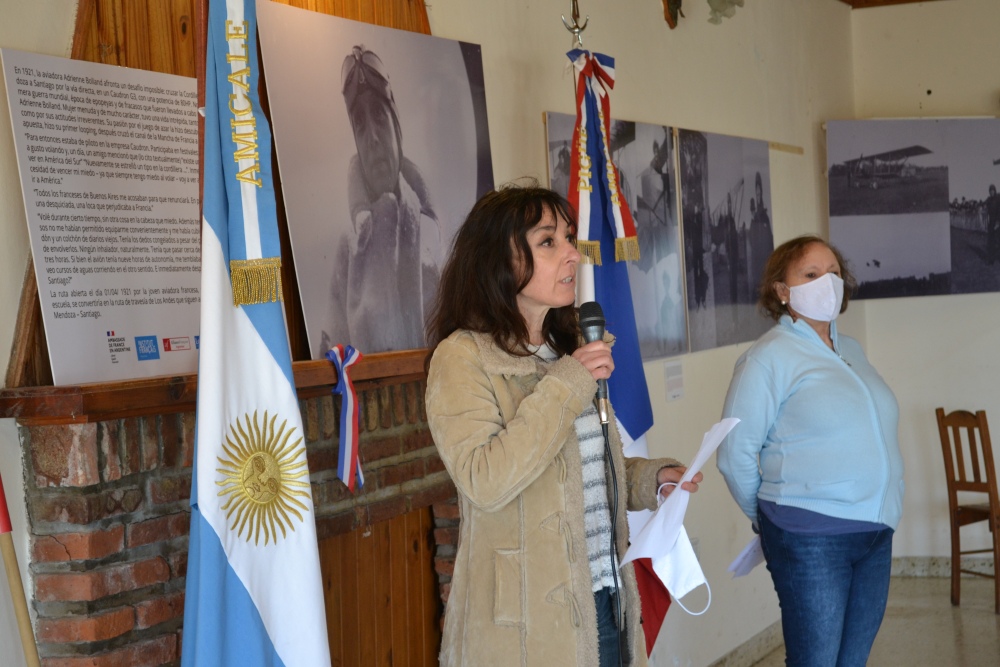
[784, 303]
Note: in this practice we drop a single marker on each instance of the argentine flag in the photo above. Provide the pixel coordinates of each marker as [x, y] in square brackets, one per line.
[254, 592]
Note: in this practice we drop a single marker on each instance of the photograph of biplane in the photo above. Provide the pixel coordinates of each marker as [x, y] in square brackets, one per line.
[906, 178]
[725, 201]
[868, 171]
[915, 213]
[644, 155]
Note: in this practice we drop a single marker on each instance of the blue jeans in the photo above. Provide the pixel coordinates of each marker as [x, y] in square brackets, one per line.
[607, 627]
[832, 590]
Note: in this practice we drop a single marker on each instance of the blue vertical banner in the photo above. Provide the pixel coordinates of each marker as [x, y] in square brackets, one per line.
[254, 592]
[606, 234]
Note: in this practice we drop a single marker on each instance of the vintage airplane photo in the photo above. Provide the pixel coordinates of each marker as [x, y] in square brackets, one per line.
[914, 204]
[893, 181]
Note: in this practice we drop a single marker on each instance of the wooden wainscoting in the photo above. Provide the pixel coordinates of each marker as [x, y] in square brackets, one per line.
[382, 603]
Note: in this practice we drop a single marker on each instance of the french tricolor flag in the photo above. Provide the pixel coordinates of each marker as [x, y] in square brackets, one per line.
[606, 238]
[348, 464]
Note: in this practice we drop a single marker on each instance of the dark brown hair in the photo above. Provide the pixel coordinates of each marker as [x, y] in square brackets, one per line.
[481, 279]
[776, 270]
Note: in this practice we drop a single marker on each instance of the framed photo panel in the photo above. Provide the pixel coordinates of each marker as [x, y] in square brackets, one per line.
[725, 189]
[913, 204]
[383, 147]
[645, 156]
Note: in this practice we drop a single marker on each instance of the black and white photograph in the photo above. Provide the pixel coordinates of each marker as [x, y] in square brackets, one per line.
[726, 212]
[378, 169]
[644, 154]
[886, 167]
[973, 147]
[911, 205]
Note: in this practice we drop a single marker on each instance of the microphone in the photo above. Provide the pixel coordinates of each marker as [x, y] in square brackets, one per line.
[592, 327]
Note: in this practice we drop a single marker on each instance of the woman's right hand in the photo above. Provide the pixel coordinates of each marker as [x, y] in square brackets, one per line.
[596, 358]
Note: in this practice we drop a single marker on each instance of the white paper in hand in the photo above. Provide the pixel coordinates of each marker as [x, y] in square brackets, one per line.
[751, 556]
[658, 536]
[663, 539]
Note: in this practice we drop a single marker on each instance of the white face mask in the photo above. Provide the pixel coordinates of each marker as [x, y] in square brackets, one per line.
[681, 572]
[679, 569]
[818, 299]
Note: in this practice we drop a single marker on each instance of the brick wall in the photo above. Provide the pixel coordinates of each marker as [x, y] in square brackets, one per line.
[401, 467]
[108, 515]
[446, 519]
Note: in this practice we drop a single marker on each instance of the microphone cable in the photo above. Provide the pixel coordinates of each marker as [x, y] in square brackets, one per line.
[619, 616]
[592, 327]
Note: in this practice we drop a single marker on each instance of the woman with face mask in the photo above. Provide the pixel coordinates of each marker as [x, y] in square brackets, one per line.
[814, 462]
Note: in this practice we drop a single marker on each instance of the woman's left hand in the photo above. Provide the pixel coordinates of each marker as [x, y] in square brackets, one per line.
[674, 475]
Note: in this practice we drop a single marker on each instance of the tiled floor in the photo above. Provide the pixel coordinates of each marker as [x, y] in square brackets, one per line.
[922, 628]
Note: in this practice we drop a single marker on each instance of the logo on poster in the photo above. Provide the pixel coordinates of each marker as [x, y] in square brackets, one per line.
[178, 344]
[117, 345]
[147, 348]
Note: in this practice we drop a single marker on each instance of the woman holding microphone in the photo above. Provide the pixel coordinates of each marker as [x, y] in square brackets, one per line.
[510, 393]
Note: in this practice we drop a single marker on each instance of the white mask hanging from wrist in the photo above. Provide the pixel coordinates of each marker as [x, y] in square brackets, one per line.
[679, 569]
[818, 299]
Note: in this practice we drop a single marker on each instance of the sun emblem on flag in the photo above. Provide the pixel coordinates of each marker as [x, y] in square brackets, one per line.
[262, 475]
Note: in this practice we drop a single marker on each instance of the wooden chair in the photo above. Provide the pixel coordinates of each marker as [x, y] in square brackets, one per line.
[968, 462]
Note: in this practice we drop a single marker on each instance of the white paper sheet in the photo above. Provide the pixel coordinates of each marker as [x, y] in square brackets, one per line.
[659, 535]
[751, 556]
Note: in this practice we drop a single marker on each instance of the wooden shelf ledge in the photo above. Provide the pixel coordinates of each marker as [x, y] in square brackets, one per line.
[101, 401]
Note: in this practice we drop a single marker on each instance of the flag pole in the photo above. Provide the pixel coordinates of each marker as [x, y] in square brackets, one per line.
[16, 587]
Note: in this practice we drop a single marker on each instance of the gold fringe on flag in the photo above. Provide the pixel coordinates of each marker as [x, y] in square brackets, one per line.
[591, 251]
[627, 249]
[255, 280]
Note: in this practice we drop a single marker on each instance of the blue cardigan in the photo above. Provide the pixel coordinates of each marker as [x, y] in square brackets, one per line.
[821, 423]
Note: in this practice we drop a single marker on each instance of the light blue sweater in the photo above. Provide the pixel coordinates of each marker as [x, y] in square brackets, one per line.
[822, 424]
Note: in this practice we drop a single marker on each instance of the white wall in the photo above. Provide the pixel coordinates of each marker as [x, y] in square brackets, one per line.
[924, 60]
[41, 26]
[774, 72]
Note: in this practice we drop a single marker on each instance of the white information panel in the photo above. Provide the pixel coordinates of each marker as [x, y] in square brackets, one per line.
[108, 158]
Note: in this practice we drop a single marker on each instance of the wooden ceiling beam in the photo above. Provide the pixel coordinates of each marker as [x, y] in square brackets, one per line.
[863, 4]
